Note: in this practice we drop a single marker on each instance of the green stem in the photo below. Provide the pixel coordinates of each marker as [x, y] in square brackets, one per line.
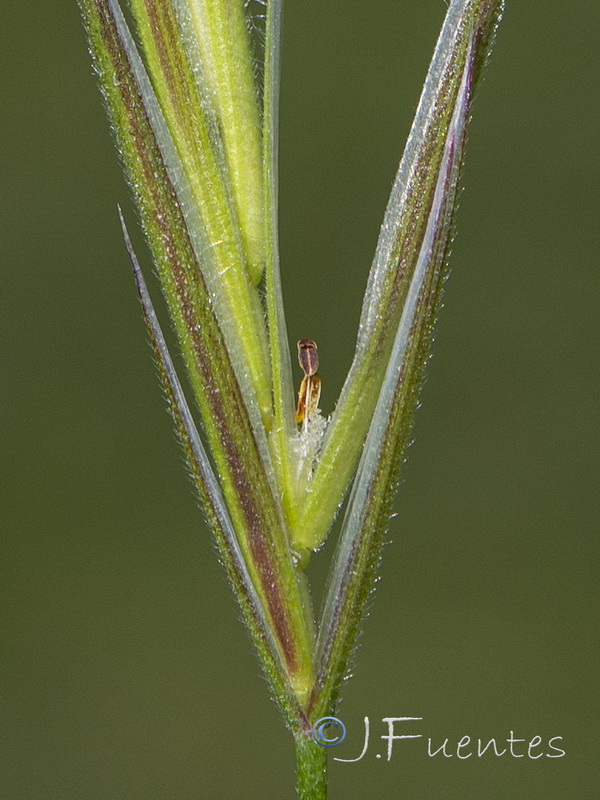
[311, 762]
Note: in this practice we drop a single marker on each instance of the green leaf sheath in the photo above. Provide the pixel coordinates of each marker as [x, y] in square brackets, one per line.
[221, 33]
[398, 249]
[231, 437]
[215, 508]
[193, 114]
[369, 507]
[284, 428]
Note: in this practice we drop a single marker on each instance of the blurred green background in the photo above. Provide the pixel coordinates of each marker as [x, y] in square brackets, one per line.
[124, 671]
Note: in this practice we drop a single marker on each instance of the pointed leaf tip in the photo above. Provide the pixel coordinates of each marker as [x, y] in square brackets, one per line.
[358, 552]
[461, 49]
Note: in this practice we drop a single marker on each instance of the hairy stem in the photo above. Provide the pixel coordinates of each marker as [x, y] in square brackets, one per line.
[311, 761]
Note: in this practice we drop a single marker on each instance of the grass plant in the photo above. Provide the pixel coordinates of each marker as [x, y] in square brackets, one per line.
[195, 122]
